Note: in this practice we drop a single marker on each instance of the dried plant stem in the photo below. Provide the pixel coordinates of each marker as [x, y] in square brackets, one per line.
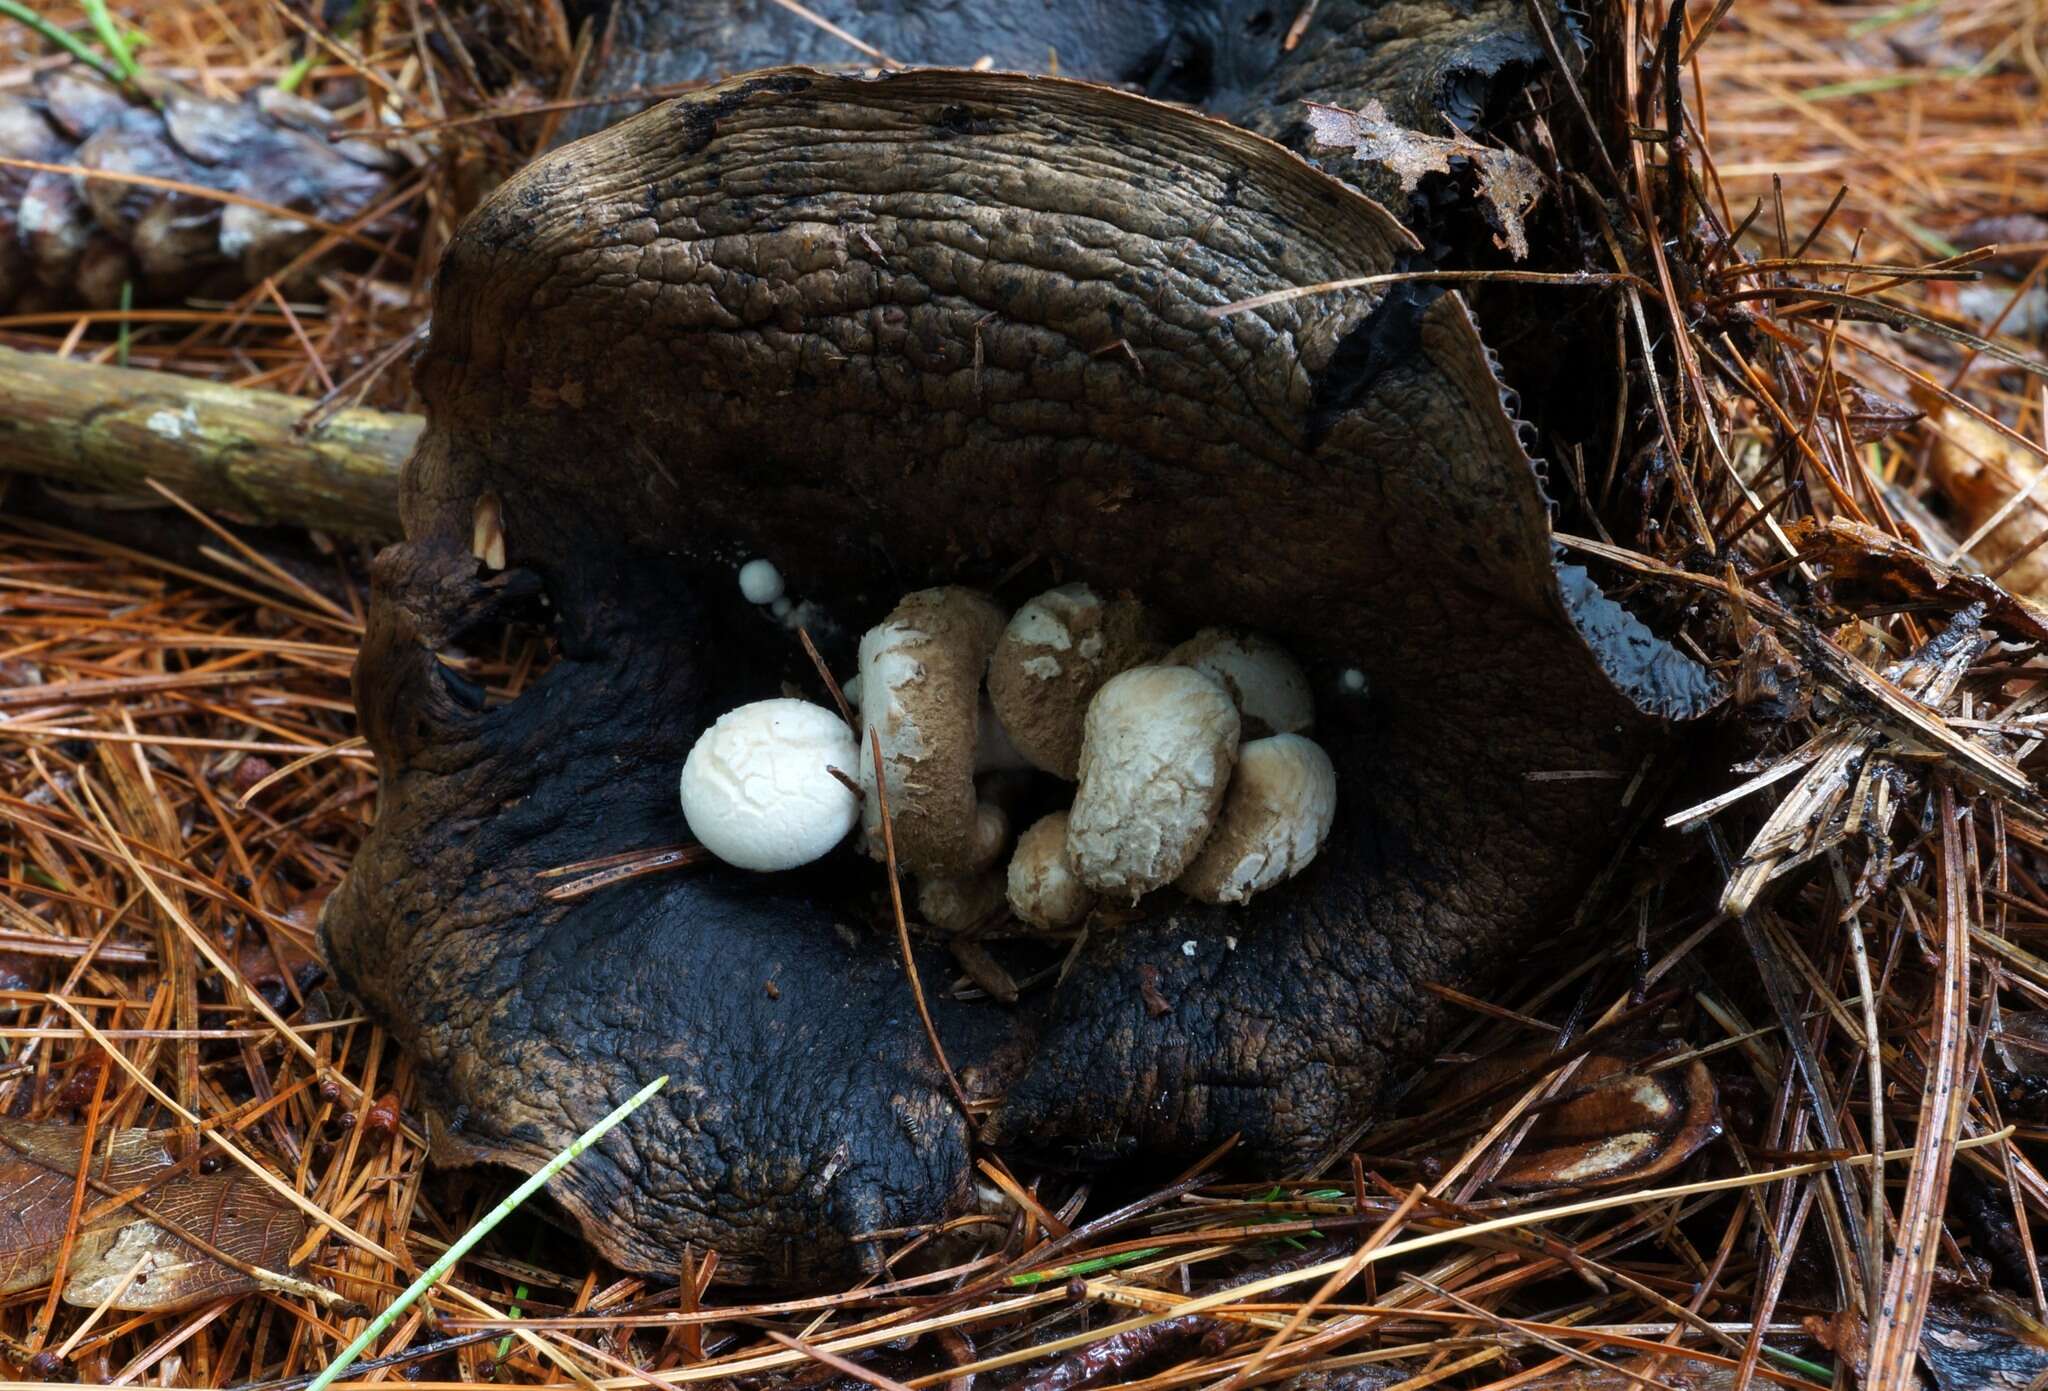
[924, 1013]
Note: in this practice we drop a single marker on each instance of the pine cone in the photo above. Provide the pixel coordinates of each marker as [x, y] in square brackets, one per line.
[66, 239]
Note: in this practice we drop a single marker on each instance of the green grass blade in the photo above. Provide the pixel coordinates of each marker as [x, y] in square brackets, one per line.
[63, 38]
[433, 1273]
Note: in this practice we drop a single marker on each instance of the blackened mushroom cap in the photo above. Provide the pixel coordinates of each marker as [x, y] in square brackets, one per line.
[915, 330]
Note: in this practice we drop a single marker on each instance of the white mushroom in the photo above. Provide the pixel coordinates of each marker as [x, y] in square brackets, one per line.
[1269, 686]
[1043, 888]
[1156, 757]
[1055, 654]
[954, 905]
[1276, 815]
[760, 582]
[920, 678]
[757, 788]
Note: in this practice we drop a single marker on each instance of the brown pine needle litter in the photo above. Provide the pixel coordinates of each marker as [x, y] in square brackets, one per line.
[1828, 920]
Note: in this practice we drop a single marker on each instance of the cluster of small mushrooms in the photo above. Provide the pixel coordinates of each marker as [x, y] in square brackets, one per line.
[1191, 763]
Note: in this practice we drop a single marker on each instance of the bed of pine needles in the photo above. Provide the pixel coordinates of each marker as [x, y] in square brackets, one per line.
[1823, 939]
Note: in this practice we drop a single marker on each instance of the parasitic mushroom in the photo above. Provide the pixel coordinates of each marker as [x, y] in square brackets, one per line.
[1054, 656]
[1156, 756]
[1043, 889]
[1269, 687]
[955, 328]
[1276, 814]
[920, 681]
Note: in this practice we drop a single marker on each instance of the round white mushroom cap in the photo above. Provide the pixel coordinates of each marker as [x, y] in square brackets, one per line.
[1269, 686]
[1156, 753]
[760, 582]
[1276, 816]
[1044, 890]
[757, 788]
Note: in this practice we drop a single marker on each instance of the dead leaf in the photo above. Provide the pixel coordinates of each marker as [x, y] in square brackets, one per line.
[1978, 1340]
[275, 963]
[1983, 472]
[231, 1211]
[1148, 991]
[1615, 1123]
[1868, 566]
[1508, 183]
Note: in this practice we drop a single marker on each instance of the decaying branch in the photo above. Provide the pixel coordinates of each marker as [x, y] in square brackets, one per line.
[221, 447]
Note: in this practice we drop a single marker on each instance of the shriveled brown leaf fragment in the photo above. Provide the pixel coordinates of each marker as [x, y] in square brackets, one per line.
[230, 1211]
[1508, 183]
[1617, 1121]
[1996, 487]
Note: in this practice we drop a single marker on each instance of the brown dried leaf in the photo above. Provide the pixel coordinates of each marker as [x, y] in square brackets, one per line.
[231, 1211]
[1871, 566]
[1982, 471]
[1613, 1124]
[1508, 183]
[274, 963]
[1872, 415]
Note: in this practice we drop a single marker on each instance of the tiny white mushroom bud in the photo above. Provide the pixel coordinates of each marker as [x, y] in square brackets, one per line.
[1044, 890]
[1155, 760]
[920, 673]
[782, 608]
[1269, 686]
[850, 688]
[1055, 654]
[760, 582]
[1275, 818]
[1352, 681]
[757, 788]
[954, 905]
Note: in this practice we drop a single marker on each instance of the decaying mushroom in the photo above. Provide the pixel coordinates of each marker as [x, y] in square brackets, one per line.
[940, 328]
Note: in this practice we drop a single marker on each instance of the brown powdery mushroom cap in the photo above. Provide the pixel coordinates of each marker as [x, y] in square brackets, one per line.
[920, 687]
[873, 308]
[1054, 656]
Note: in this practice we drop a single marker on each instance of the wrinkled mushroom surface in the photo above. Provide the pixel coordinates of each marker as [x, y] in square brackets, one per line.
[860, 326]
